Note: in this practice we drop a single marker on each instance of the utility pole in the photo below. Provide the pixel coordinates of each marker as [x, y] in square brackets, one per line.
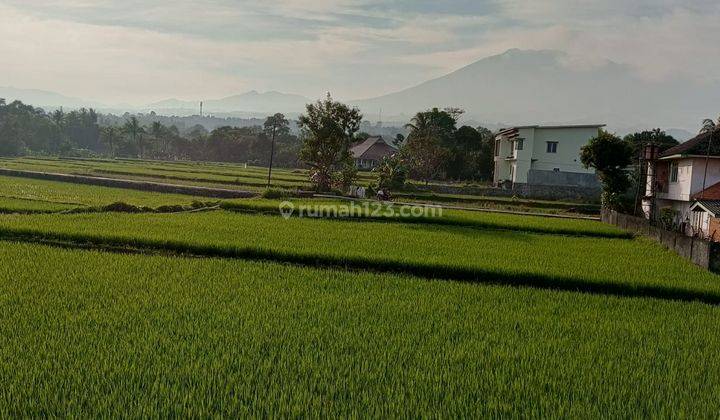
[201, 109]
[707, 161]
[272, 153]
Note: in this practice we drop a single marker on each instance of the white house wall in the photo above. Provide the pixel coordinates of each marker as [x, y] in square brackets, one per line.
[681, 189]
[524, 157]
[567, 158]
[515, 165]
[691, 172]
[698, 172]
[503, 167]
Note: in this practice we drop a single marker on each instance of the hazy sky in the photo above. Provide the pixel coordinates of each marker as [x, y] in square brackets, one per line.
[142, 51]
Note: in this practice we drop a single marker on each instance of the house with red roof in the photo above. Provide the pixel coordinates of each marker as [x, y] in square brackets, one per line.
[370, 152]
[685, 182]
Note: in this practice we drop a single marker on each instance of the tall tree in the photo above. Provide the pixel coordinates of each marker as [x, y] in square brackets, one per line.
[161, 136]
[609, 155]
[430, 141]
[25, 128]
[110, 137]
[328, 128]
[275, 125]
[485, 157]
[135, 131]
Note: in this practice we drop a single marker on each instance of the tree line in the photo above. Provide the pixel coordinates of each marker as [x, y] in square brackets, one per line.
[25, 130]
[435, 147]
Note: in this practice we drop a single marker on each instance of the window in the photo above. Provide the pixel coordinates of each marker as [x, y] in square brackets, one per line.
[552, 147]
[673, 172]
[497, 147]
[519, 144]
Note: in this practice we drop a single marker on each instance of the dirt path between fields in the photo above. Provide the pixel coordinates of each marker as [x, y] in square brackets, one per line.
[464, 208]
[131, 184]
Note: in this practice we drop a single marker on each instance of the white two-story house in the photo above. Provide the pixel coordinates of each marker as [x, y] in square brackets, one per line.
[679, 183]
[544, 155]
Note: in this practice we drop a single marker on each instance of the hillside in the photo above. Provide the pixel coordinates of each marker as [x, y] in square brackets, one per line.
[252, 101]
[44, 98]
[552, 87]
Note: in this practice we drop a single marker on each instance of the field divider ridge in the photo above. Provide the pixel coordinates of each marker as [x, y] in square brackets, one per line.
[464, 208]
[355, 263]
[439, 221]
[180, 178]
[131, 184]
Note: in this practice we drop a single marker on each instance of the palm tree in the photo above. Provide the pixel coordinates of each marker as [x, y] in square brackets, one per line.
[111, 137]
[160, 134]
[58, 117]
[419, 124]
[423, 145]
[133, 129]
[709, 127]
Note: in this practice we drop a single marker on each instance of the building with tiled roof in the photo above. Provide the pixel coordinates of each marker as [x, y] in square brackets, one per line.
[682, 177]
[370, 152]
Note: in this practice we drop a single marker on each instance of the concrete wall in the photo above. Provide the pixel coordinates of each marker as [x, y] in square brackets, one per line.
[541, 192]
[703, 253]
[577, 179]
[683, 215]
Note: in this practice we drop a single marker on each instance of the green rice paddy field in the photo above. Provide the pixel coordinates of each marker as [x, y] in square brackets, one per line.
[254, 179]
[236, 311]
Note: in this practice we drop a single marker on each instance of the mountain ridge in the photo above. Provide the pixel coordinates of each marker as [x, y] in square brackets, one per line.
[512, 88]
[250, 101]
[550, 86]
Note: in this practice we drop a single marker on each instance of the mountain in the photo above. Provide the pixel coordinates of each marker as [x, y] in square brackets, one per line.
[44, 99]
[680, 134]
[552, 87]
[253, 101]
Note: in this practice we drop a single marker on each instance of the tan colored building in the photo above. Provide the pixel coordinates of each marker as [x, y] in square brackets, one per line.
[370, 152]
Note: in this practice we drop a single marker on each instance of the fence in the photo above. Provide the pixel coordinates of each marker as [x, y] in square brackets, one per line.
[704, 253]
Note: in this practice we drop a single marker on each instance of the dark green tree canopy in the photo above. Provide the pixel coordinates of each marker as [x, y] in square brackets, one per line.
[639, 140]
[328, 129]
[436, 148]
[606, 152]
[610, 156]
[277, 124]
